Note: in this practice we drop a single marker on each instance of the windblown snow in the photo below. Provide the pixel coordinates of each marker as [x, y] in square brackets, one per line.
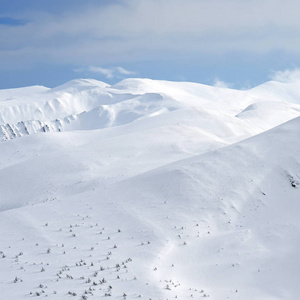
[150, 189]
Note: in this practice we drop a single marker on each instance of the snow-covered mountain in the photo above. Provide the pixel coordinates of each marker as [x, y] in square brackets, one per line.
[150, 189]
[90, 104]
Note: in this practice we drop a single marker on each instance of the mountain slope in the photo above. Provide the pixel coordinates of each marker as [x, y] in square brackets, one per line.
[146, 195]
[245, 200]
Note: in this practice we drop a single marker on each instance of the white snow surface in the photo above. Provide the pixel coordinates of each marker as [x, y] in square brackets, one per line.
[150, 189]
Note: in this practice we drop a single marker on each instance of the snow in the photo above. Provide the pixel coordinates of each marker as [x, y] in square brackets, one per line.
[166, 190]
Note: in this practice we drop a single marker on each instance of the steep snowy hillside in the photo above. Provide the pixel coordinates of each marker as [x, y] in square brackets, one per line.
[138, 190]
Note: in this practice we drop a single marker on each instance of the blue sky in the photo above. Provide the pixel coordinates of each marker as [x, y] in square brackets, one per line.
[238, 42]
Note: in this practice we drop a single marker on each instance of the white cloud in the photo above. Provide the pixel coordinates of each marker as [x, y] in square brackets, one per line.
[124, 71]
[136, 30]
[222, 84]
[286, 75]
[107, 72]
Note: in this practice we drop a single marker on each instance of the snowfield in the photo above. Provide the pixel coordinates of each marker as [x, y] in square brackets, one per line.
[150, 190]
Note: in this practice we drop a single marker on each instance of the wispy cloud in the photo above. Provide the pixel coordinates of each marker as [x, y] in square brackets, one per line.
[109, 73]
[222, 84]
[125, 31]
[292, 75]
[157, 37]
[124, 71]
